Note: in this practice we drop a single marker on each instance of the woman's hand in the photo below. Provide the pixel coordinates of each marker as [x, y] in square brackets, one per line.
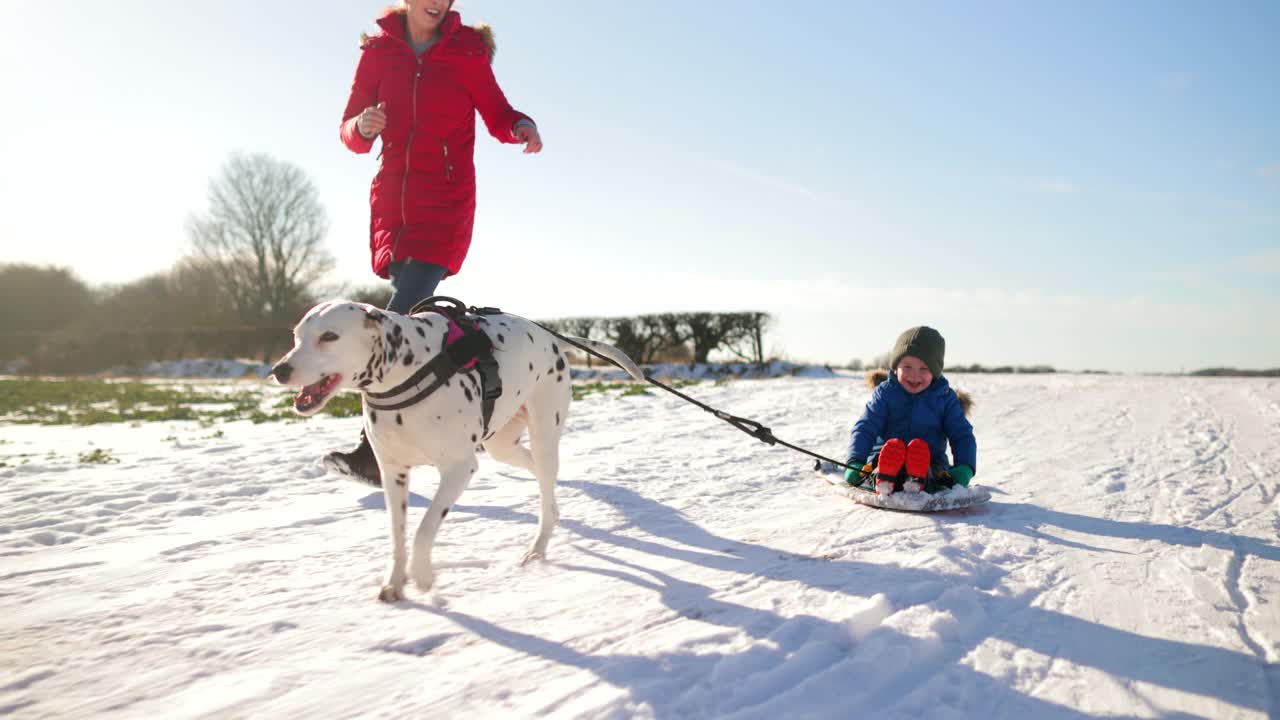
[528, 134]
[373, 120]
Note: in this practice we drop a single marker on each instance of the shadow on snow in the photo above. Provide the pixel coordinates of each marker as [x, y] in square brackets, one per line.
[815, 650]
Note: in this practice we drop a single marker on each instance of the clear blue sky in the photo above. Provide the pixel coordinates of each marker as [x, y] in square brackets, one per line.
[1086, 184]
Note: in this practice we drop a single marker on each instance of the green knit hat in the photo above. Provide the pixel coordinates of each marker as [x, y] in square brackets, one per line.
[922, 342]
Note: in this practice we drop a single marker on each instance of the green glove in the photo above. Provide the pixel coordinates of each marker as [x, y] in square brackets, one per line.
[962, 474]
[856, 474]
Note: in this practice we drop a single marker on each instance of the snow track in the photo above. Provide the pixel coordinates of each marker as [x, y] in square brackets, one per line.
[1128, 565]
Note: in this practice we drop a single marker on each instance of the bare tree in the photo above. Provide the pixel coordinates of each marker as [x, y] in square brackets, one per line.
[35, 303]
[745, 335]
[625, 334]
[36, 298]
[675, 337]
[707, 332]
[263, 238]
[376, 295]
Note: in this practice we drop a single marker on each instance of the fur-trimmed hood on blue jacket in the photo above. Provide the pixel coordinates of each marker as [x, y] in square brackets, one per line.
[935, 415]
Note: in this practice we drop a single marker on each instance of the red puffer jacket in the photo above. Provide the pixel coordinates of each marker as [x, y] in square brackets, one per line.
[423, 199]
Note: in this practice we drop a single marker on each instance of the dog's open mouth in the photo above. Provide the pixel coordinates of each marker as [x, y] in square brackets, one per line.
[315, 394]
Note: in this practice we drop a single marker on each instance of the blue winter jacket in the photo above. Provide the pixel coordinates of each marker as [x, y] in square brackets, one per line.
[933, 415]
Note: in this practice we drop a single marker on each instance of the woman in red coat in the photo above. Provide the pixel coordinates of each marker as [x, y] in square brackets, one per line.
[419, 84]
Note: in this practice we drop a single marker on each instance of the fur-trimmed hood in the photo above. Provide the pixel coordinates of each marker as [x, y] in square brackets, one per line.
[486, 34]
[392, 25]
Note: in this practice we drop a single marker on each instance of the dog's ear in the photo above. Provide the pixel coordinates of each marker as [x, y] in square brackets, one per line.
[373, 318]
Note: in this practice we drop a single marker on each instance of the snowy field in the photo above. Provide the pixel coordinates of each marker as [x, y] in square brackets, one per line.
[1127, 566]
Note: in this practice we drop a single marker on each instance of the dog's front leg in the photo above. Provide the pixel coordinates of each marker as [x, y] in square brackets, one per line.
[453, 480]
[395, 487]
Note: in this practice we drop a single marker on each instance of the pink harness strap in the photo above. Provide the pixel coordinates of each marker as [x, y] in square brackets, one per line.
[455, 334]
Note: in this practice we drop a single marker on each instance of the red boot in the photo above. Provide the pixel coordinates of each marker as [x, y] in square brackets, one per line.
[918, 457]
[892, 455]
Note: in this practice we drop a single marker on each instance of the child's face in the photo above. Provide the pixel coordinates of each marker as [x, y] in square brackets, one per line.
[913, 374]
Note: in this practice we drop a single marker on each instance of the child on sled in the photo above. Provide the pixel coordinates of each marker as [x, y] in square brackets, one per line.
[900, 441]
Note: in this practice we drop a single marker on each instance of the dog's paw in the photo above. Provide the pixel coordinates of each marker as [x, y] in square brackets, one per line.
[533, 554]
[391, 593]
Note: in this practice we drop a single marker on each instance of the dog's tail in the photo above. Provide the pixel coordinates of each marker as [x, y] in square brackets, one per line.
[612, 353]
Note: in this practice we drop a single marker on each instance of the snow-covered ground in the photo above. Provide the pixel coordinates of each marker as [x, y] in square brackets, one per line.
[1127, 566]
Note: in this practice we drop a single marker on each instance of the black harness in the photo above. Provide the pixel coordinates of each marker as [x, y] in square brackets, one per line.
[468, 349]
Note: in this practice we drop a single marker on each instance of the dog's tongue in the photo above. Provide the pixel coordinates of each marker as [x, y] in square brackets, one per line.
[315, 392]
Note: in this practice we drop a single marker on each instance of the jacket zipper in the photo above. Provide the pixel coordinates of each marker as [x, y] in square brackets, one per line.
[448, 169]
[911, 417]
[408, 150]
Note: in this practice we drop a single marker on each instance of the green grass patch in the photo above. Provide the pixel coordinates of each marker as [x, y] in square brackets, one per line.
[584, 389]
[91, 402]
[98, 456]
[346, 404]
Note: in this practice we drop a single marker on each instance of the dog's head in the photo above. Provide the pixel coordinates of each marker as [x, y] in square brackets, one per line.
[331, 344]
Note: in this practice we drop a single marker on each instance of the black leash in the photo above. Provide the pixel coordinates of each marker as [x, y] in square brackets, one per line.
[750, 427]
[492, 387]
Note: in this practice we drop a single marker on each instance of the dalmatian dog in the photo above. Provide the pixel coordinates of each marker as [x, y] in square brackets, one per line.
[341, 344]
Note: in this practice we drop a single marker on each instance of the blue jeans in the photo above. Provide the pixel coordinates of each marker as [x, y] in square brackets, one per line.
[412, 281]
